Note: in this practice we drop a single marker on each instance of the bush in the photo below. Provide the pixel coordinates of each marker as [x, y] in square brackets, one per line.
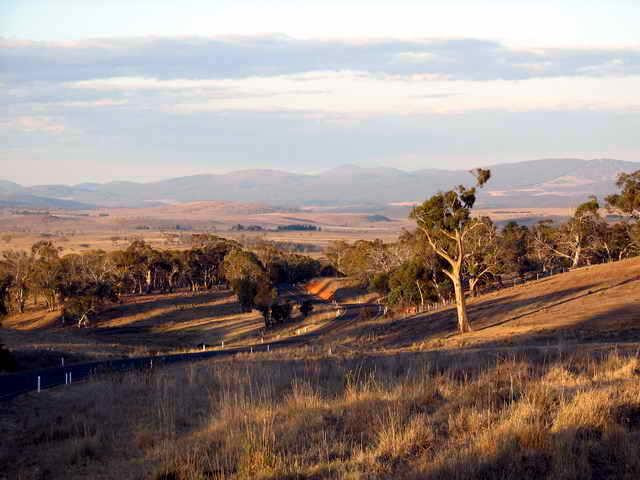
[306, 307]
[246, 290]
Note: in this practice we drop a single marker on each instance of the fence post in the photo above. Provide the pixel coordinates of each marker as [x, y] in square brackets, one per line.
[268, 347]
[70, 377]
[38, 383]
[62, 361]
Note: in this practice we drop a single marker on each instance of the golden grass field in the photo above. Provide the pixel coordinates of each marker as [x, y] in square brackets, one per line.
[76, 232]
[528, 415]
[149, 325]
[546, 386]
[599, 304]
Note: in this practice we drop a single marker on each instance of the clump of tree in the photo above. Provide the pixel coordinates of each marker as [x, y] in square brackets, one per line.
[627, 202]
[254, 276]
[80, 285]
[298, 227]
[452, 254]
[247, 228]
[306, 307]
[445, 220]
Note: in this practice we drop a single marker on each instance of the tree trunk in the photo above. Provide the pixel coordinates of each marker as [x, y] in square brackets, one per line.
[148, 281]
[461, 306]
[21, 300]
[576, 257]
[436, 286]
[421, 296]
[473, 283]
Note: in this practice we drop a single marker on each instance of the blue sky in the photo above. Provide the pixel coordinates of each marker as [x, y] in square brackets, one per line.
[96, 91]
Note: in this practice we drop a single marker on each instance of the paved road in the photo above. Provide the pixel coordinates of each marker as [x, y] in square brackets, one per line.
[16, 384]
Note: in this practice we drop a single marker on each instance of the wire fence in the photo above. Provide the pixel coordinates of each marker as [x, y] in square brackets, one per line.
[500, 283]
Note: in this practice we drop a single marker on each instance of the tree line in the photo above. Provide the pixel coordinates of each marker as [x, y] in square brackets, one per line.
[82, 284]
[452, 254]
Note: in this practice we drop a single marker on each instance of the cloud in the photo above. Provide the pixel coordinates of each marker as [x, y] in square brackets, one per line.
[129, 143]
[32, 124]
[191, 103]
[362, 93]
[237, 57]
[276, 73]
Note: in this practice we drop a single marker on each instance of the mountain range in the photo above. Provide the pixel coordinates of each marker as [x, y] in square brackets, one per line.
[541, 183]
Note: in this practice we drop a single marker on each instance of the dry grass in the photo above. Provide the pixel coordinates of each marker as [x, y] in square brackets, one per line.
[139, 326]
[598, 304]
[148, 325]
[532, 415]
[81, 231]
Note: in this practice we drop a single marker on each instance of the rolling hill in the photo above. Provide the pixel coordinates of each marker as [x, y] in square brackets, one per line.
[543, 183]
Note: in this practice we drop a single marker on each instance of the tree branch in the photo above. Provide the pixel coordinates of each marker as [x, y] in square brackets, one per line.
[437, 249]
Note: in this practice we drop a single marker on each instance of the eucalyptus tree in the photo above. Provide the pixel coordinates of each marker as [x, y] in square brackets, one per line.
[481, 257]
[6, 280]
[16, 267]
[513, 249]
[575, 238]
[627, 202]
[46, 271]
[445, 220]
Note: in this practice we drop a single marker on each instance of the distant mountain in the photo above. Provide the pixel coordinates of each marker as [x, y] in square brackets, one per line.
[541, 183]
[8, 188]
[25, 200]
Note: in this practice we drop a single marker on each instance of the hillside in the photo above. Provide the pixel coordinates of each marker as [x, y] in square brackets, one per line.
[593, 305]
[598, 305]
[543, 183]
[548, 387]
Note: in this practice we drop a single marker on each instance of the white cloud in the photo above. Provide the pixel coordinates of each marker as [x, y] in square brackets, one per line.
[415, 57]
[361, 93]
[103, 102]
[237, 57]
[33, 124]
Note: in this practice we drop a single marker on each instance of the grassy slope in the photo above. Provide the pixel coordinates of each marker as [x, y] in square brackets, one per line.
[533, 416]
[147, 324]
[490, 411]
[593, 304]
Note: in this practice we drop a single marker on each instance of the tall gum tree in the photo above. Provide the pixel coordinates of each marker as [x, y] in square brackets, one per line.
[445, 219]
[627, 202]
[575, 237]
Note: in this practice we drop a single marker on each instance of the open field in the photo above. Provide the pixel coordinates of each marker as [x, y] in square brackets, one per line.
[600, 303]
[171, 226]
[119, 239]
[84, 242]
[546, 386]
[148, 325]
[529, 415]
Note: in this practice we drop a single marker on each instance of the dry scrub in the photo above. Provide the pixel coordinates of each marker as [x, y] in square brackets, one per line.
[534, 415]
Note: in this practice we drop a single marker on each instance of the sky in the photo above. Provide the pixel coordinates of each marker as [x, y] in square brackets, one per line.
[143, 90]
